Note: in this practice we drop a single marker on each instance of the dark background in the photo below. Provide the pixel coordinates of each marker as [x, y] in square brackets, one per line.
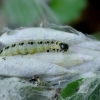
[90, 19]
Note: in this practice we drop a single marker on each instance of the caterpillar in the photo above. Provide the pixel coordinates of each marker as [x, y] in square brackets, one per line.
[33, 46]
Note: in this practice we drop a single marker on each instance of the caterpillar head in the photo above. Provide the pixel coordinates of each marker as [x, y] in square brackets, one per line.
[64, 46]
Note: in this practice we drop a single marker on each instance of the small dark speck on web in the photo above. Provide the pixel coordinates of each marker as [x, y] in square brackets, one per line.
[4, 58]
[1, 51]
[9, 91]
[77, 89]
[20, 81]
[23, 82]
[3, 95]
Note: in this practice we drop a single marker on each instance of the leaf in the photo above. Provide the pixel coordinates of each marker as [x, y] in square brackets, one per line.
[70, 89]
[97, 35]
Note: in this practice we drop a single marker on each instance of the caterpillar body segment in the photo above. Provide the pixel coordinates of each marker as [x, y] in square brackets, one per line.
[33, 46]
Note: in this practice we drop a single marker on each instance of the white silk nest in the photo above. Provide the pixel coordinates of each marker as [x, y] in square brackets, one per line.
[55, 69]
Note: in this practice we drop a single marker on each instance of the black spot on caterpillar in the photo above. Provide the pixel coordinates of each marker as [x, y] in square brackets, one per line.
[13, 45]
[7, 47]
[20, 43]
[41, 42]
[47, 50]
[34, 46]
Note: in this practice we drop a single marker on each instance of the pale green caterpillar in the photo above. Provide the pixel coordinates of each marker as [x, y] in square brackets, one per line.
[33, 46]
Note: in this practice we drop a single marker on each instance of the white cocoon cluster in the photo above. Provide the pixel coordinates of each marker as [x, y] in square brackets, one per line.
[41, 63]
[52, 63]
[81, 57]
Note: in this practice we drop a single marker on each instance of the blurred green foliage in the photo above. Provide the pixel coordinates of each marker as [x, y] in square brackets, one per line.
[97, 35]
[21, 12]
[68, 10]
[30, 12]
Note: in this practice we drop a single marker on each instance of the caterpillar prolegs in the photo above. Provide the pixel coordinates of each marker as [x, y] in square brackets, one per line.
[33, 46]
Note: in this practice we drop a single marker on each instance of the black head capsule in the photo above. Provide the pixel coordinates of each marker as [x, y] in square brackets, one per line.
[64, 46]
